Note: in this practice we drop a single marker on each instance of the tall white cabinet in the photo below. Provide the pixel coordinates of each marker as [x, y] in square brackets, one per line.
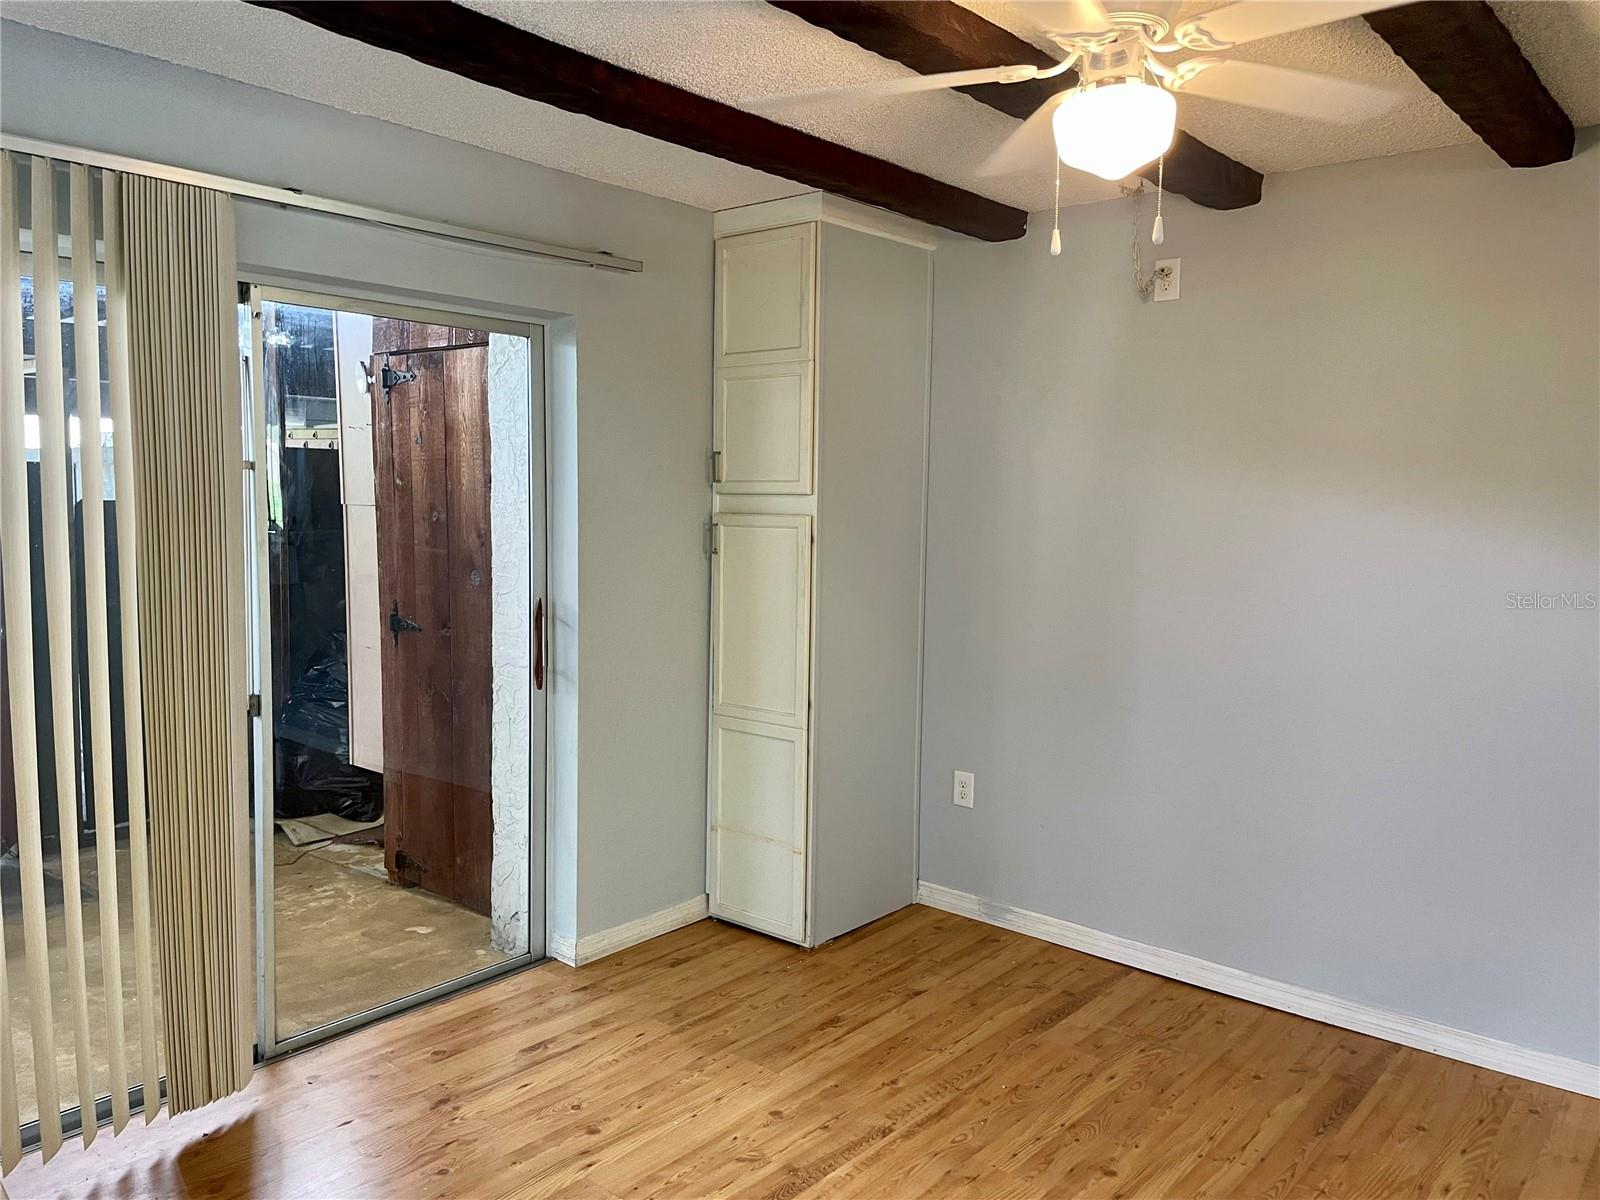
[820, 400]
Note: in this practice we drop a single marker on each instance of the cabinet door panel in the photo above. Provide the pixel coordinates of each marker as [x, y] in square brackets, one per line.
[763, 434]
[765, 282]
[761, 620]
[758, 824]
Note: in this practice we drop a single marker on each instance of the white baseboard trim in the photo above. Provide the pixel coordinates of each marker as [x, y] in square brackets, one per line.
[1571, 1074]
[593, 946]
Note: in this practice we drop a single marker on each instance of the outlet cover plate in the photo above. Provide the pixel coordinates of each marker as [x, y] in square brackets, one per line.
[965, 785]
[1167, 288]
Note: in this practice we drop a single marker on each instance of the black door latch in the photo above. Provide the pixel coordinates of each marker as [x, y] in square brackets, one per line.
[399, 624]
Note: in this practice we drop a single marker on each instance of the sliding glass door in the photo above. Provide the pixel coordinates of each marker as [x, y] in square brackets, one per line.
[396, 503]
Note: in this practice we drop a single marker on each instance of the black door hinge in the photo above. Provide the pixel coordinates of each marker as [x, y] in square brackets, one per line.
[399, 624]
[392, 379]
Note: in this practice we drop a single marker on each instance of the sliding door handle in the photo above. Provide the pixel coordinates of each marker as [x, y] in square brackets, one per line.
[538, 645]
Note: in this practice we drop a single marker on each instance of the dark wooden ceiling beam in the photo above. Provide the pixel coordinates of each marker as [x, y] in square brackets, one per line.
[1467, 56]
[930, 36]
[477, 47]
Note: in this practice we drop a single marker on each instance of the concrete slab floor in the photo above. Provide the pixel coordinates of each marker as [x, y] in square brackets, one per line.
[347, 941]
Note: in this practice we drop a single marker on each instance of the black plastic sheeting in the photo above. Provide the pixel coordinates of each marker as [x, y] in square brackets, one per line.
[313, 770]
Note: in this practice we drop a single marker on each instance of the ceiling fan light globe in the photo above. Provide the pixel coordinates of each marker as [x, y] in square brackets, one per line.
[1114, 129]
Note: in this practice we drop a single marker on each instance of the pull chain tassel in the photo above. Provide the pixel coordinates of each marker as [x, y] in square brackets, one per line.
[1055, 232]
[1158, 232]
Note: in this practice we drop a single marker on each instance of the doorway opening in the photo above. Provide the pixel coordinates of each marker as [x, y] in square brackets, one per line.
[396, 505]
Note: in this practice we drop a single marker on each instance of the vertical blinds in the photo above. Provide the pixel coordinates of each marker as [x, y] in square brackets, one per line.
[129, 723]
[182, 292]
[75, 718]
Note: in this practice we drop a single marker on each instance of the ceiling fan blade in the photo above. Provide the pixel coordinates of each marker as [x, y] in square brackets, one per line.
[904, 85]
[1030, 147]
[1066, 16]
[1235, 24]
[1303, 93]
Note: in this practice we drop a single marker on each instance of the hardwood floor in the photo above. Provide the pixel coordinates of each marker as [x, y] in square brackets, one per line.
[924, 1055]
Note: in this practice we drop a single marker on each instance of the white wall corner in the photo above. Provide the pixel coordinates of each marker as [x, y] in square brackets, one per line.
[591, 947]
[1571, 1074]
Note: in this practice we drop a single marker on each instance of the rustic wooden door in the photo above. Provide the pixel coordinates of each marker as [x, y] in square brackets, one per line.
[430, 386]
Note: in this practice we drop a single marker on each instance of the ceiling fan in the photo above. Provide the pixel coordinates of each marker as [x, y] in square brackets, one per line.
[1132, 63]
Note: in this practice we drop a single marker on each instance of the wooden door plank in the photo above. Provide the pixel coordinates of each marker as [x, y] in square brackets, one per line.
[419, 830]
[390, 433]
[466, 425]
[431, 839]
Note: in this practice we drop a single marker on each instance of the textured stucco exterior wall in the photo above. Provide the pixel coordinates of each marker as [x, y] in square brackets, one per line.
[510, 556]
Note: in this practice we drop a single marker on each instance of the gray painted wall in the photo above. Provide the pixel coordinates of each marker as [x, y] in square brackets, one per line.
[629, 805]
[1217, 588]
[872, 402]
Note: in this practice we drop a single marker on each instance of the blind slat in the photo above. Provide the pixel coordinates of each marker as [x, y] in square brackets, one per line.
[87, 354]
[55, 503]
[10, 400]
[17, 569]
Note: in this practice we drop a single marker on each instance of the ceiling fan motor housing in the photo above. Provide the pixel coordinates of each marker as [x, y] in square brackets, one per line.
[1122, 60]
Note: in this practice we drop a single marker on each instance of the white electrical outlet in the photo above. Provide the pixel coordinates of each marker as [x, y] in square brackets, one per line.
[1167, 284]
[965, 783]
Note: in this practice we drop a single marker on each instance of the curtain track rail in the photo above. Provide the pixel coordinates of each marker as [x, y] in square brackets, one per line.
[291, 198]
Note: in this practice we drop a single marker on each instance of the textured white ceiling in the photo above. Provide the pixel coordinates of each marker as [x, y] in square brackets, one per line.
[738, 50]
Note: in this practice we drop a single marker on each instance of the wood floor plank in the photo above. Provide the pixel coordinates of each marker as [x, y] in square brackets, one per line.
[1212, 1121]
[1171, 1134]
[924, 1055]
[878, 1051]
[1523, 1135]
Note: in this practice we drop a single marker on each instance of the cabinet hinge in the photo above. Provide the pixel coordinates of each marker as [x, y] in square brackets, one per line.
[252, 704]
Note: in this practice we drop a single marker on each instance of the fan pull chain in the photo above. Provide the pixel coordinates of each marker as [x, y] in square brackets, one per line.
[1055, 232]
[1158, 232]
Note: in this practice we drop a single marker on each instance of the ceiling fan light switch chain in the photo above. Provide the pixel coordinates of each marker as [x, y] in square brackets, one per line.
[1158, 231]
[1055, 230]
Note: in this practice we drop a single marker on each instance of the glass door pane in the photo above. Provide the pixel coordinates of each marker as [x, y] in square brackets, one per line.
[394, 647]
